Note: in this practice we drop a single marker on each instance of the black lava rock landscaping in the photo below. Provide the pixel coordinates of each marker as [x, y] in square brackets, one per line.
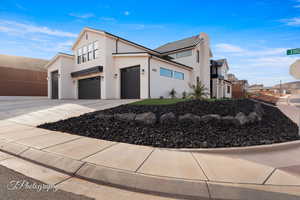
[118, 124]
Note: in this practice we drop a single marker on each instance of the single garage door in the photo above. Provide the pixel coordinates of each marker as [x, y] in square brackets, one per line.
[54, 85]
[89, 88]
[130, 83]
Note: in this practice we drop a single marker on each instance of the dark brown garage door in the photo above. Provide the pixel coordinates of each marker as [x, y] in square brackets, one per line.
[130, 83]
[54, 85]
[89, 88]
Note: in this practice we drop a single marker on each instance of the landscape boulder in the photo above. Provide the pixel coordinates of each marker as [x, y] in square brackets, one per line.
[229, 120]
[125, 116]
[253, 117]
[210, 117]
[146, 118]
[167, 118]
[242, 118]
[259, 109]
[189, 117]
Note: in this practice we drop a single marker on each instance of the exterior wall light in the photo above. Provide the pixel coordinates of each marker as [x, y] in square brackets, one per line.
[143, 71]
[116, 76]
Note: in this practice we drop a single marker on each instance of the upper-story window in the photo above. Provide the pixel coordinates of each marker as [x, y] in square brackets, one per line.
[90, 52]
[87, 53]
[79, 56]
[84, 54]
[181, 54]
[198, 56]
[95, 50]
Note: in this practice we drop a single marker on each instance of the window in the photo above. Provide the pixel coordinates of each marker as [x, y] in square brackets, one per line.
[166, 72]
[181, 54]
[90, 52]
[228, 89]
[184, 54]
[179, 75]
[198, 56]
[87, 53]
[95, 52]
[79, 56]
[84, 54]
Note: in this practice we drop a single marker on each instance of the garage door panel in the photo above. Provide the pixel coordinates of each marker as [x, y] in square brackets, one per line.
[130, 83]
[54, 85]
[89, 88]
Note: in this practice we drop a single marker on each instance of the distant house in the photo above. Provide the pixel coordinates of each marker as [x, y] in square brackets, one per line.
[288, 88]
[255, 88]
[221, 87]
[239, 87]
[22, 76]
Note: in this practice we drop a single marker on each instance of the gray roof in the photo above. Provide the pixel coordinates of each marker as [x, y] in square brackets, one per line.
[20, 62]
[179, 44]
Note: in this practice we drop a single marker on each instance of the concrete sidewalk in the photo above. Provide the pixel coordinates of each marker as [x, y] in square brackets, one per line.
[235, 173]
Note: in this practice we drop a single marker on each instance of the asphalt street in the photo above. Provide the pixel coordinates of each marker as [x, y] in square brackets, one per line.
[16, 186]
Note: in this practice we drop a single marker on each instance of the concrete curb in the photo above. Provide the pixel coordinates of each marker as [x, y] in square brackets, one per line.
[166, 186]
[61, 163]
[258, 148]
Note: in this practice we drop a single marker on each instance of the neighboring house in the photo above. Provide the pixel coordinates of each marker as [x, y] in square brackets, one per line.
[255, 88]
[232, 77]
[22, 76]
[107, 66]
[220, 85]
[239, 87]
[287, 88]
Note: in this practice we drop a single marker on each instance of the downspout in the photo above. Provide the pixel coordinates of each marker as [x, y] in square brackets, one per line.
[117, 44]
[149, 94]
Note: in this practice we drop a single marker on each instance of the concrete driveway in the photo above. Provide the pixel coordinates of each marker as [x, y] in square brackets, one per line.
[34, 111]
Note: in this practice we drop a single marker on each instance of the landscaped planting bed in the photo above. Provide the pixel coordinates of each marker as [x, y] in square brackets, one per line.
[171, 131]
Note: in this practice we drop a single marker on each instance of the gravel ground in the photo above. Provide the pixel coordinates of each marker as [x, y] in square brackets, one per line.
[275, 127]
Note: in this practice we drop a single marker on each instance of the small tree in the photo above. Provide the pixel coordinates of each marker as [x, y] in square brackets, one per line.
[184, 94]
[198, 91]
[172, 93]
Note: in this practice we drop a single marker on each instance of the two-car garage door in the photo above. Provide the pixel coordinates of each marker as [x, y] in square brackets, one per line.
[89, 88]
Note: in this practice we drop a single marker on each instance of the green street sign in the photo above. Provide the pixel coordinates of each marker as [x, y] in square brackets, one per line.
[293, 51]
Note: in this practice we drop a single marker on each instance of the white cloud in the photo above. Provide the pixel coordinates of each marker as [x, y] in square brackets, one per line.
[14, 27]
[108, 19]
[254, 63]
[229, 48]
[82, 16]
[20, 6]
[126, 13]
[298, 5]
[272, 61]
[295, 21]
[236, 50]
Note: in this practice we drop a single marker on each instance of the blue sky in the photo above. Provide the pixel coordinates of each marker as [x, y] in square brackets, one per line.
[252, 35]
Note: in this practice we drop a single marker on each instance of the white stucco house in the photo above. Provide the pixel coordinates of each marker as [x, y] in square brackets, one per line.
[106, 66]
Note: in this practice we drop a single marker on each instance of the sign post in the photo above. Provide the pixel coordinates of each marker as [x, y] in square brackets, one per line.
[293, 51]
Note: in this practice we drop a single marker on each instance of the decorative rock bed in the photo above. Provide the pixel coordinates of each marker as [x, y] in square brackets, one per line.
[190, 124]
[168, 118]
